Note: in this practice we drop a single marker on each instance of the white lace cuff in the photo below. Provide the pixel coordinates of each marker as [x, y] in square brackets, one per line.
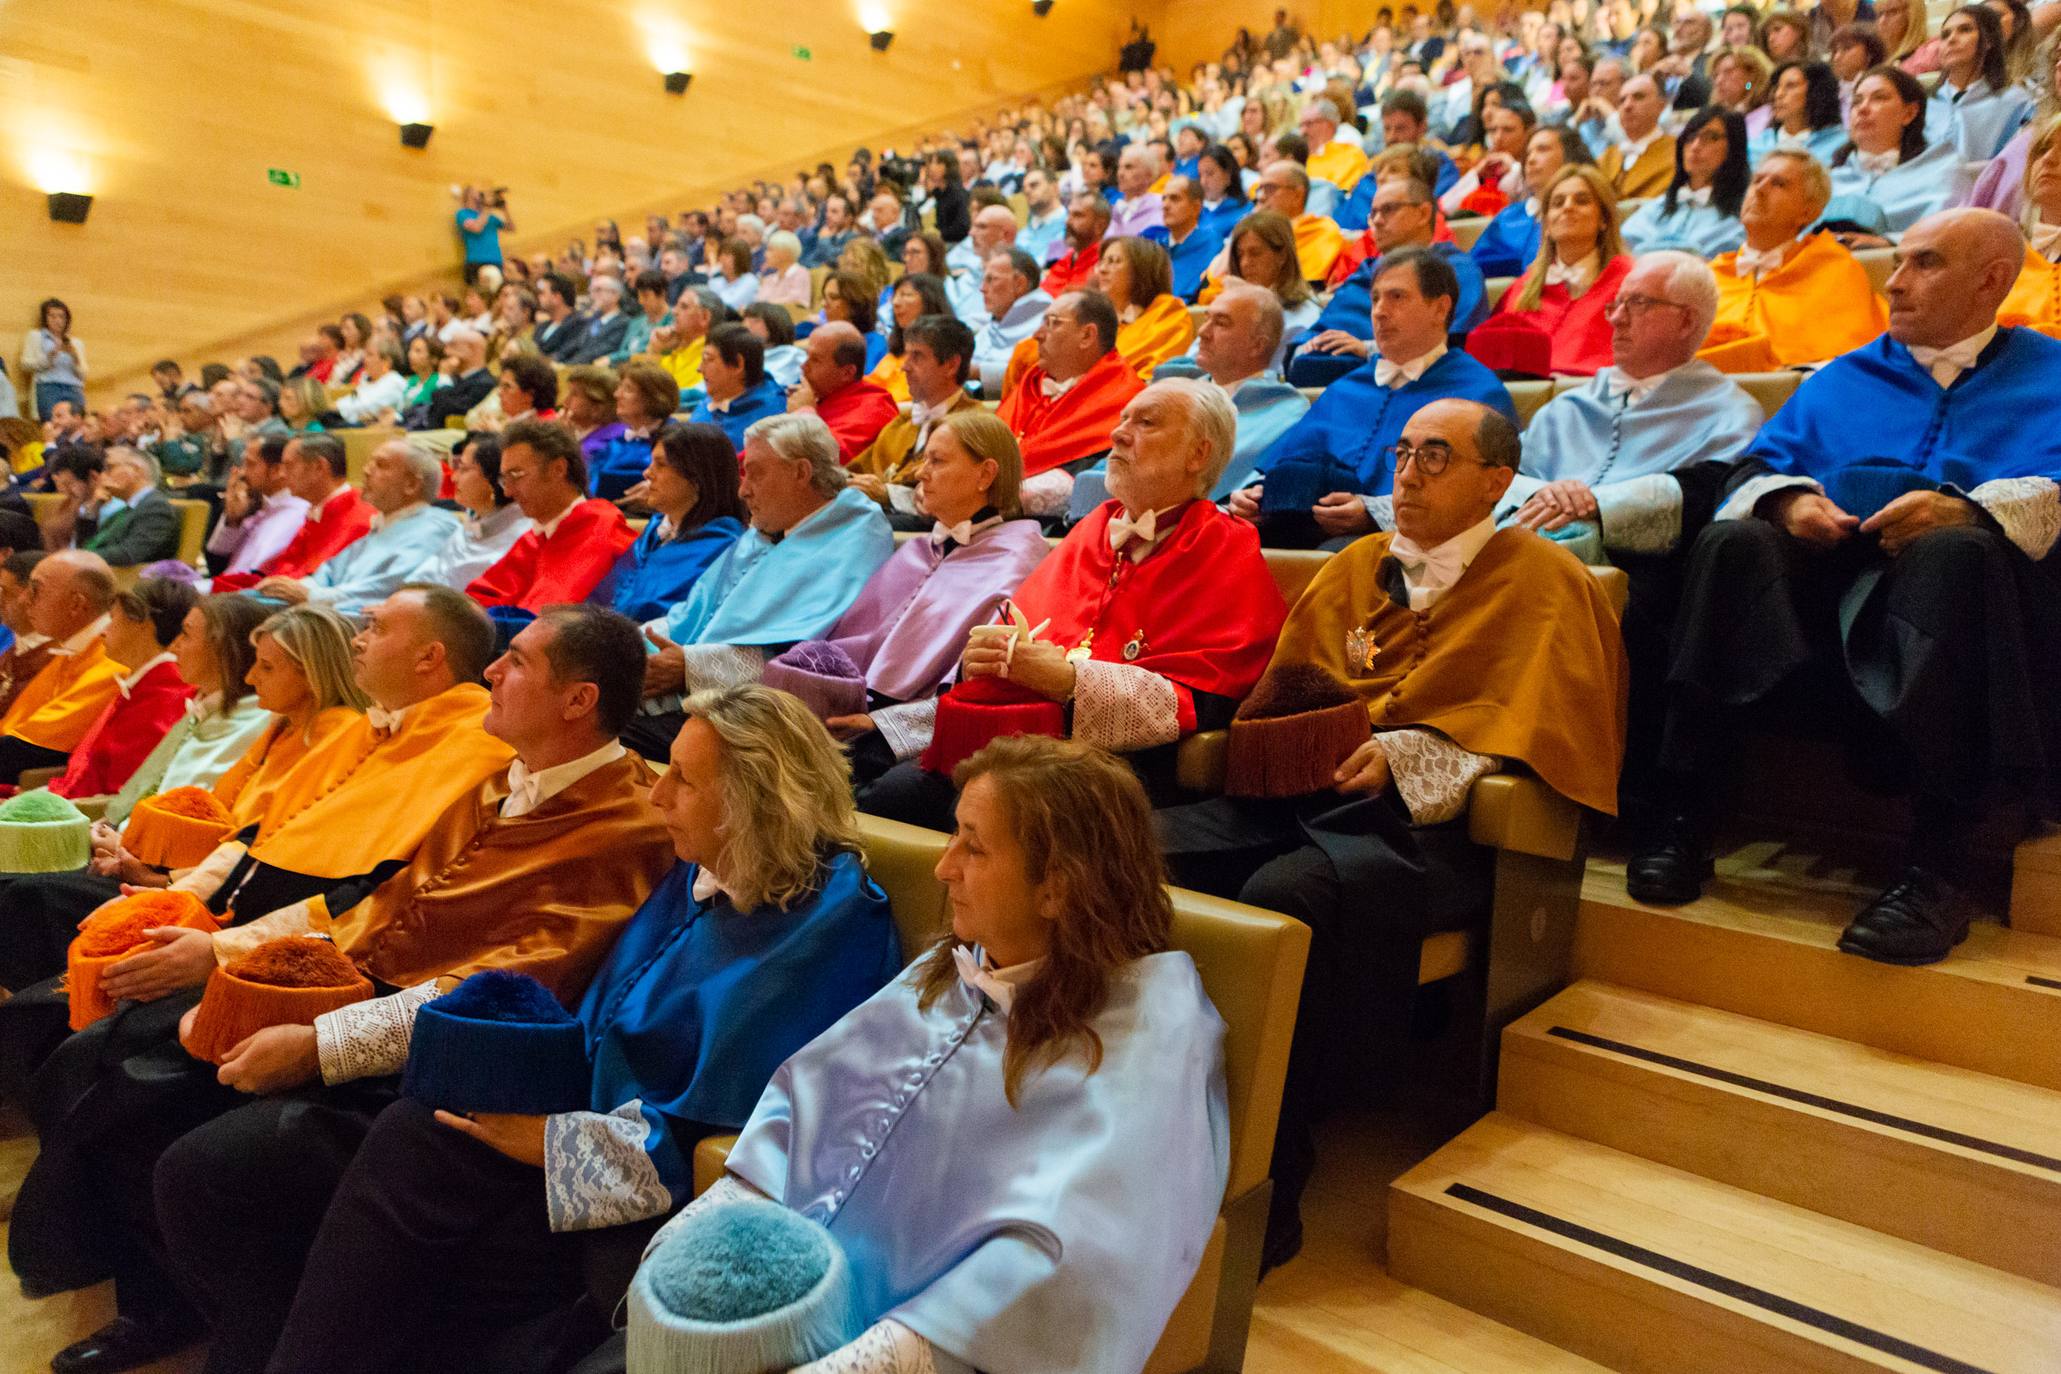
[709, 665]
[906, 726]
[597, 1172]
[886, 1347]
[728, 1188]
[370, 1039]
[298, 919]
[1123, 708]
[1047, 493]
[1432, 774]
[1640, 514]
[1381, 510]
[902, 499]
[205, 878]
[2029, 509]
[1739, 505]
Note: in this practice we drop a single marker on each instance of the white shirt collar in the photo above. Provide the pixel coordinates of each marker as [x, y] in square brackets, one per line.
[201, 708]
[547, 528]
[29, 639]
[1752, 262]
[2045, 240]
[315, 511]
[1576, 275]
[1617, 385]
[1632, 149]
[80, 642]
[384, 518]
[998, 985]
[527, 791]
[1141, 536]
[126, 683]
[1392, 375]
[1430, 573]
[280, 498]
[1946, 364]
[493, 522]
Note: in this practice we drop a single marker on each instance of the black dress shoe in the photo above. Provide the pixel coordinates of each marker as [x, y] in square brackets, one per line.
[1283, 1239]
[1918, 919]
[125, 1343]
[1673, 869]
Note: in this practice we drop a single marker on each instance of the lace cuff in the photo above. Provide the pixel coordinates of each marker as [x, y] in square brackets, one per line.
[721, 665]
[902, 499]
[2028, 508]
[906, 726]
[1739, 505]
[1047, 493]
[302, 918]
[370, 1039]
[886, 1347]
[1432, 774]
[1123, 708]
[1381, 510]
[597, 1172]
[205, 878]
[1640, 514]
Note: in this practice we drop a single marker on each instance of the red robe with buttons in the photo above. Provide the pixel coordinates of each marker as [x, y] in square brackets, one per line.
[856, 413]
[540, 572]
[1053, 431]
[123, 735]
[345, 518]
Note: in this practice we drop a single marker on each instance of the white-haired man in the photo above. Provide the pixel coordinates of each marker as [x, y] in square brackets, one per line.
[1137, 208]
[400, 481]
[606, 323]
[813, 542]
[1129, 656]
[1338, 160]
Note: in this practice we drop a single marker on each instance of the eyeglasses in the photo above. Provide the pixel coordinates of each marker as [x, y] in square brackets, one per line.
[1638, 305]
[1431, 459]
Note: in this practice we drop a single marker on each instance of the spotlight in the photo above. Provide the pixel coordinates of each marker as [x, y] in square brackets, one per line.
[416, 135]
[1041, 8]
[69, 207]
[676, 82]
[880, 38]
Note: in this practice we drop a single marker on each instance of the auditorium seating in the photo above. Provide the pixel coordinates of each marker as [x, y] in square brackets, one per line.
[193, 527]
[1251, 964]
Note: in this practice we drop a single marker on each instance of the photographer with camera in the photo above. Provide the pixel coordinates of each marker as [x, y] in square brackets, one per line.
[481, 217]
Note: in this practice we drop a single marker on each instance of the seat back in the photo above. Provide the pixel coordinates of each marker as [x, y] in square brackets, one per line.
[359, 445]
[1880, 262]
[193, 530]
[1467, 232]
[1771, 389]
[1528, 397]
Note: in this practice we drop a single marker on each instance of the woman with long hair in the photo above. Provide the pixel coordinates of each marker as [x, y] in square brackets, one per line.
[1511, 239]
[1739, 82]
[2035, 298]
[690, 484]
[1700, 212]
[763, 935]
[1977, 105]
[53, 362]
[1053, 1006]
[1888, 161]
[1803, 113]
[1564, 294]
[2001, 185]
[1261, 251]
[1153, 324]
[1902, 24]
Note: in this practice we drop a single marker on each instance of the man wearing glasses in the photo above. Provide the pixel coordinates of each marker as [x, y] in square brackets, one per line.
[1626, 467]
[1468, 646]
[1327, 481]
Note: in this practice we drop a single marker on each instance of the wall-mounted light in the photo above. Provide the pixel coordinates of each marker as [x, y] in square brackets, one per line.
[69, 207]
[880, 38]
[1041, 8]
[416, 135]
[676, 82]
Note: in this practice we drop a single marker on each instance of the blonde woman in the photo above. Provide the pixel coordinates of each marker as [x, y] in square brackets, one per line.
[2035, 298]
[766, 932]
[302, 403]
[1566, 292]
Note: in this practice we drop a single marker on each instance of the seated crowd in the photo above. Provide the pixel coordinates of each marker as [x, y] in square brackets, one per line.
[952, 490]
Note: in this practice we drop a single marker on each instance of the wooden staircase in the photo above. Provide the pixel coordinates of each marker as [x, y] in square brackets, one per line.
[1730, 1148]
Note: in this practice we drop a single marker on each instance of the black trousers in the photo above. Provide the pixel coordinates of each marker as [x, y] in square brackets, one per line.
[42, 912]
[447, 1242]
[652, 736]
[1370, 886]
[17, 756]
[1940, 666]
[909, 793]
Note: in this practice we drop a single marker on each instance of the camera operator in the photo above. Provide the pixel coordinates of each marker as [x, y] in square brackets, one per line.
[481, 217]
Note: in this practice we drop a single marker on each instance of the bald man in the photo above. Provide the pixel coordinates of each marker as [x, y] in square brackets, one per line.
[1889, 530]
[1642, 162]
[834, 366]
[994, 231]
[69, 595]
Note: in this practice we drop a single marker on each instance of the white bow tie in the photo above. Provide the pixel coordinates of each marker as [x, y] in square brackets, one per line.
[2046, 241]
[1123, 529]
[1392, 375]
[383, 721]
[1752, 262]
[1875, 164]
[961, 533]
[923, 416]
[982, 980]
[1054, 388]
[1417, 561]
[1617, 385]
[1572, 274]
[720, 407]
[1698, 197]
[524, 792]
[707, 886]
[199, 709]
[1945, 364]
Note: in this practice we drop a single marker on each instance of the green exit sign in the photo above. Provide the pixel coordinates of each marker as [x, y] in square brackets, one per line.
[801, 54]
[279, 176]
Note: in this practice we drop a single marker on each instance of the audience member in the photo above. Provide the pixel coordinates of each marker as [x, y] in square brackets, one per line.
[775, 329]
[28, 650]
[915, 295]
[1551, 322]
[470, 382]
[135, 523]
[1642, 160]
[606, 325]
[576, 538]
[690, 484]
[1136, 208]
[260, 513]
[1087, 224]
[736, 390]
[1065, 402]
[149, 697]
[645, 397]
[1044, 224]
[69, 595]
[313, 468]
[854, 409]
[1699, 214]
[1803, 113]
[1979, 103]
[1152, 323]
[938, 353]
[382, 386]
[1014, 305]
[562, 330]
[1889, 176]
[1191, 245]
[407, 533]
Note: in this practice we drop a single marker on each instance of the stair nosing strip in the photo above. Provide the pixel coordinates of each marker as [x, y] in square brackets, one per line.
[1811, 1099]
[1717, 1283]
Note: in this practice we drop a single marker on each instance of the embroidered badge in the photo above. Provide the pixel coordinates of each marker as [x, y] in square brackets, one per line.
[1135, 647]
[1360, 651]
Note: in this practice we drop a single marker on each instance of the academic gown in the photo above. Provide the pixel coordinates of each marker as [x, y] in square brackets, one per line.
[345, 516]
[1267, 409]
[1055, 431]
[620, 464]
[1978, 121]
[1509, 243]
[131, 725]
[1817, 305]
[856, 412]
[1351, 309]
[1192, 256]
[654, 575]
[2035, 299]
[1342, 444]
[55, 708]
[1954, 645]
[1907, 192]
[1162, 330]
[743, 411]
[893, 1130]
[760, 592]
[373, 567]
[540, 572]
[1703, 230]
[1353, 211]
[1819, 143]
[198, 751]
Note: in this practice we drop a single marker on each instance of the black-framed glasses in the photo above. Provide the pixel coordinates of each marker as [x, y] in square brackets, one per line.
[1632, 304]
[1431, 458]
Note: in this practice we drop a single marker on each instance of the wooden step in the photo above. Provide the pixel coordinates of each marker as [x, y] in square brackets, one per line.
[1380, 1326]
[1909, 1148]
[1651, 1270]
[2036, 884]
[1766, 945]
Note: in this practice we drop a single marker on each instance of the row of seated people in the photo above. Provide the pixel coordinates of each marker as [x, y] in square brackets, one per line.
[1876, 551]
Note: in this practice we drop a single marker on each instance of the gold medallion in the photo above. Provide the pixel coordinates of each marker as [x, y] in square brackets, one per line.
[1360, 651]
[1135, 647]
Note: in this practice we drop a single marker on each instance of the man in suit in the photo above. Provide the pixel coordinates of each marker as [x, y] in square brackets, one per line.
[1643, 162]
[146, 527]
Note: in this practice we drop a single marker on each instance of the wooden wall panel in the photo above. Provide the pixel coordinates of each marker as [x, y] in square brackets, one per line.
[1191, 33]
[173, 110]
